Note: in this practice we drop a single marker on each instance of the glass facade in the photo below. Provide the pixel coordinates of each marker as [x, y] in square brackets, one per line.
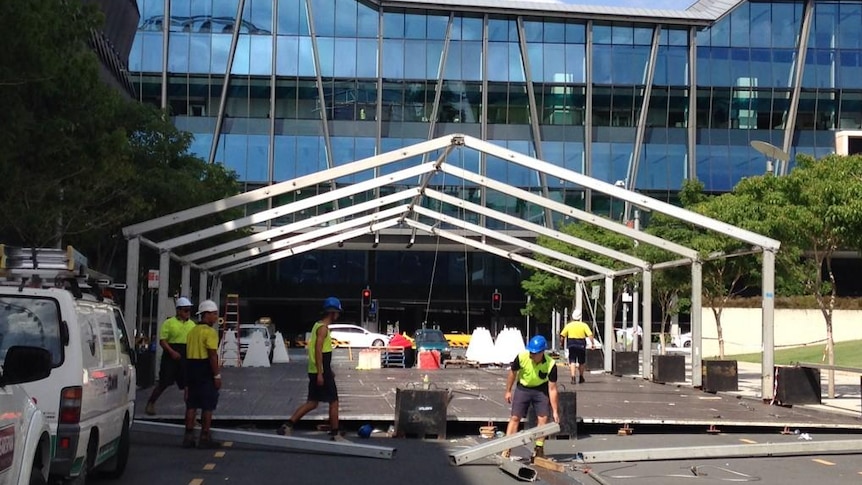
[317, 83]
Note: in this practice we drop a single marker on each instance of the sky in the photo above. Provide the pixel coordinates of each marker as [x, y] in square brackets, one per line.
[660, 4]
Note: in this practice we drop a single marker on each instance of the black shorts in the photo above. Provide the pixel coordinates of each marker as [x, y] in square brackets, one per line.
[173, 371]
[325, 393]
[578, 353]
[203, 394]
[524, 396]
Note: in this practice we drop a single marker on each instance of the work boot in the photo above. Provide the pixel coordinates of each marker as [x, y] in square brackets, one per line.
[150, 409]
[335, 435]
[206, 442]
[573, 379]
[285, 429]
[538, 452]
[189, 439]
[581, 380]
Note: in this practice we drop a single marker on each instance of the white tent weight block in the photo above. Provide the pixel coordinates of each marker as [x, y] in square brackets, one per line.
[256, 354]
[279, 352]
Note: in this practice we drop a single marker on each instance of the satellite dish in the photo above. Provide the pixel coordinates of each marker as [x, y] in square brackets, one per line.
[770, 151]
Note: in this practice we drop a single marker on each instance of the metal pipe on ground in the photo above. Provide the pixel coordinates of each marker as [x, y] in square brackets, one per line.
[519, 471]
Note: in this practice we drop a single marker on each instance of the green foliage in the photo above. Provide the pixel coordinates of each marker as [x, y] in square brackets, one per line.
[848, 354]
[77, 159]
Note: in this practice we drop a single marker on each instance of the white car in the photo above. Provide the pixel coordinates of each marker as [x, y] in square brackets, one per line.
[356, 336]
[682, 340]
[25, 438]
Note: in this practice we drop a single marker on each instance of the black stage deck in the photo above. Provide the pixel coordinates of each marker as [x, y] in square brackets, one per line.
[271, 394]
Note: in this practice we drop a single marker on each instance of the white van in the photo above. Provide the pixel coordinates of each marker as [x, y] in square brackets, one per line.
[25, 440]
[89, 396]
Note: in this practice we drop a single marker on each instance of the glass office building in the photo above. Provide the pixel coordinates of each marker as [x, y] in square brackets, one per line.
[646, 98]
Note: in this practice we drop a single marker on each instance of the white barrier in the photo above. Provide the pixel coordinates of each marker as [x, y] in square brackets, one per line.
[229, 349]
[481, 348]
[256, 355]
[279, 352]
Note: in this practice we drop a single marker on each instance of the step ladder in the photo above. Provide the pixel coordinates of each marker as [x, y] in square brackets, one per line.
[229, 355]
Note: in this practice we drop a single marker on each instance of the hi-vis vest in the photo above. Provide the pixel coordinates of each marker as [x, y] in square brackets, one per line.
[327, 347]
[532, 374]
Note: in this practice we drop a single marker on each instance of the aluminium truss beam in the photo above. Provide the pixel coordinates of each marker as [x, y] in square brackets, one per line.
[639, 200]
[287, 229]
[305, 237]
[494, 250]
[426, 178]
[500, 444]
[287, 443]
[320, 243]
[595, 268]
[293, 207]
[530, 226]
[280, 188]
[793, 448]
[570, 211]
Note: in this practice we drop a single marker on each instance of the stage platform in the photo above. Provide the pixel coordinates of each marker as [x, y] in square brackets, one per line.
[269, 395]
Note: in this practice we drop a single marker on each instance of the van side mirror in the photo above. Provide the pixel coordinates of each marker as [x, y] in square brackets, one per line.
[26, 364]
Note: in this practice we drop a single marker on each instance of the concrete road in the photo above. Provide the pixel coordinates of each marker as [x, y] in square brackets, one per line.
[159, 459]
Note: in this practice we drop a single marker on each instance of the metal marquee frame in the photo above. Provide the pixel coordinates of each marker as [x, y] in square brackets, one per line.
[404, 208]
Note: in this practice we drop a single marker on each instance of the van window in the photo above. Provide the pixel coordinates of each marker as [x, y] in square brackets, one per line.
[107, 337]
[30, 321]
[125, 343]
[91, 348]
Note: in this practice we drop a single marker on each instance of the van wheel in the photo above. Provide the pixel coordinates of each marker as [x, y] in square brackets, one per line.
[89, 461]
[116, 465]
[36, 477]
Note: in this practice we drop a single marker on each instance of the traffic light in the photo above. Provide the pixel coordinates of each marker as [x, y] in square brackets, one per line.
[496, 301]
[366, 297]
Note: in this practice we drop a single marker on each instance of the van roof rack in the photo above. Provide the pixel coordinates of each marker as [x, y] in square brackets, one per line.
[64, 267]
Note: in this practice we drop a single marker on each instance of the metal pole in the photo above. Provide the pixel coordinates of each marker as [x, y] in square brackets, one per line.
[270, 162]
[164, 301]
[234, 39]
[498, 445]
[696, 322]
[133, 260]
[588, 116]
[528, 318]
[186, 281]
[438, 89]
[324, 117]
[801, 51]
[642, 118]
[647, 323]
[609, 322]
[202, 286]
[768, 323]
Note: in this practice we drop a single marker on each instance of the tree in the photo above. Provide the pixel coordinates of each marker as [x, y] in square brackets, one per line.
[63, 158]
[821, 214]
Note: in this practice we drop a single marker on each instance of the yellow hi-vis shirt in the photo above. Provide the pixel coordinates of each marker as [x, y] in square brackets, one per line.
[531, 374]
[176, 331]
[201, 340]
[576, 330]
[312, 344]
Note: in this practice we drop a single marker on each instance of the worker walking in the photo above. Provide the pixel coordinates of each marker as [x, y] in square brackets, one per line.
[536, 376]
[577, 333]
[203, 377]
[172, 339]
[321, 379]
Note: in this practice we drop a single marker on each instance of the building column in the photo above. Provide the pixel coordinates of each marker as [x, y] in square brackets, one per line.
[799, 70]
[647, 322]
[692, 105]
[696, 322]
[588, 114]
[234, 39]
[609, 322]
[768, 326]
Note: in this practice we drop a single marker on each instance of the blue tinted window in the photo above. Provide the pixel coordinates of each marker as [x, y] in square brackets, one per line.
[178, 54]
[601, 34]
[344, 58]
[437, 26]
[393, 25]
[786, 21]
[288, 52]
[220, 51]
[720, 33]
[452, 69]
[415, 26]
[782, 65]
[576, 63]
[345, 18]
[555, 32]
[199, 53]
[576, 33]
[555, 69]
[310, 155]
[258, 15]
[739, 26]
[535, 53]
[533, 30]
[498, 30]
[602, 64]
[393, 58]
[516, 65]
[434, 52]
[671, 66]
[825, 25]
[260, 53]
[761, 25]
[257, 166]
[498, 61]
[574, 156]
[324, 16]
[471, 28]
[367, 20]
[292, 17]
[285, 158]
[850, 27]
[201, 144]
[850, 73]
[643, 36]
[366, 58]
[241, 62]
[414, 59]
[326, 55]
[471, 61]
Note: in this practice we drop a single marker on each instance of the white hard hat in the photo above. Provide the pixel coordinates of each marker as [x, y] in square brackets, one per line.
[183, 302]
[207, 306]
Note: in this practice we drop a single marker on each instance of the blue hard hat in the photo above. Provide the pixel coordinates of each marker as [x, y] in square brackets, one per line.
[365, 431]
[332, 304]
[537, 344]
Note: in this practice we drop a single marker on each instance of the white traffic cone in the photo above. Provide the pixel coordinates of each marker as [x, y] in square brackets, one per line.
[279, 352]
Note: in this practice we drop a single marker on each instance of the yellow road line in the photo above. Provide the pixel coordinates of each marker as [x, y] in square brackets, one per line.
[822, 462]
[219, 454]
[745, 440]
[209, 466]
[227, 444]
[197, 481]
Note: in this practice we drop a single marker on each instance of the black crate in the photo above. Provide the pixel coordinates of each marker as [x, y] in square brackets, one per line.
[668, 368]
[421, 413]
[719, 375]
[595, 359]
[145, 368]
[568, 402]
[797, 385]
[625, 363]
